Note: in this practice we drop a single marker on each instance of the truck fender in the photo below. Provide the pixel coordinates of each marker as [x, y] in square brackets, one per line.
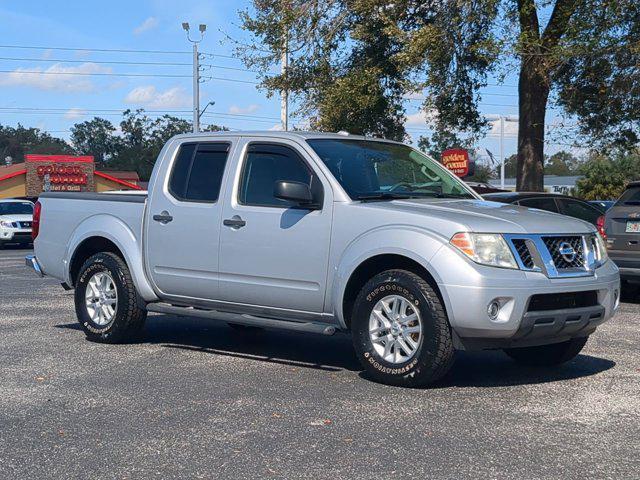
[115, 230]
[408, 241]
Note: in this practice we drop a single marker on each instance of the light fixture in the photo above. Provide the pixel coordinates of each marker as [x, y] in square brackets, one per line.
[185, 26]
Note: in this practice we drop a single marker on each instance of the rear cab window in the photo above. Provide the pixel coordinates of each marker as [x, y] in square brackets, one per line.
[196, 175]
[542, 203]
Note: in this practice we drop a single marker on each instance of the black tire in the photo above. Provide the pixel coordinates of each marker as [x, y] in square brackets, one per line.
[129, 318]
[435, 353]
[548, 355]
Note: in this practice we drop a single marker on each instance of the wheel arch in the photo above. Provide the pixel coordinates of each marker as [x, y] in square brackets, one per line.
[107, 233]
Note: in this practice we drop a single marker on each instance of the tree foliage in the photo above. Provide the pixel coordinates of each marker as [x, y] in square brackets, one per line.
[353, 63]
[18, 141]
[134, 146]
[605, 177]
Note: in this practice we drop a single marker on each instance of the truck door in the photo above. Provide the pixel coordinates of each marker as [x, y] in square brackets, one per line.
[183, 220]
[273, 253]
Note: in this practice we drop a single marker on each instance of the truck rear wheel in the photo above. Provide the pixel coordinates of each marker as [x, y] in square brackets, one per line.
[106, 300]
[400, 330]
[548, 355]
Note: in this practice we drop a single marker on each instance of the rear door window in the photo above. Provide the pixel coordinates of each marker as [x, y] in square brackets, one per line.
[197, 172]
[543, 203]
[581, 210]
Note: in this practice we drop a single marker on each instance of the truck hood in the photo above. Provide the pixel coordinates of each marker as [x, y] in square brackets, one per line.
[16, 218]
[488, 217]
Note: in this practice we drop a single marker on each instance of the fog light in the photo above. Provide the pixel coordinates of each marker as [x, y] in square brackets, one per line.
[493, 309]
[616, 299]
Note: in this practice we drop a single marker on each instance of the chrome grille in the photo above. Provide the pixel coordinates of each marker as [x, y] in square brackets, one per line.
[523, 252]
[574, 244]
[555, 255]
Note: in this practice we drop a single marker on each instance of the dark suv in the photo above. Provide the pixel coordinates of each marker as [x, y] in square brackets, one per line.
[622, 230]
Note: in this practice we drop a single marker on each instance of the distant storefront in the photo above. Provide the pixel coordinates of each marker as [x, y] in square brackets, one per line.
[552, 184]
[61, 173]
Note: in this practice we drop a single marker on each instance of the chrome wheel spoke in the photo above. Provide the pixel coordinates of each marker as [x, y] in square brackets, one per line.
[101, 298]
[395, 329]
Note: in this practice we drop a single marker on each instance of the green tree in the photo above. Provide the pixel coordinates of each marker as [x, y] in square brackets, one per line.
[95, 137]
[352, 61]
[18, 141]
[561, 163]
[605, 177]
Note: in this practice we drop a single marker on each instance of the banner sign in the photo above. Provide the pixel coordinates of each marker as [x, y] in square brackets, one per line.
[456, 160]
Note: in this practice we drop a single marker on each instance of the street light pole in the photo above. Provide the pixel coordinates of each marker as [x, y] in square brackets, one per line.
[196, 89]
[196, 74]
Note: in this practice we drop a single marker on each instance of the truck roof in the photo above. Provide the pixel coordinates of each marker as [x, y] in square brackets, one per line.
[305, 135]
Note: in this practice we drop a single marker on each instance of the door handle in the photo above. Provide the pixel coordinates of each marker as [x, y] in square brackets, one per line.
[234, 222]
[163, 218]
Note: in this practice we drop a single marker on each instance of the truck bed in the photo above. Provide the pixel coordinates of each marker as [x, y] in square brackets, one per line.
[67, 217]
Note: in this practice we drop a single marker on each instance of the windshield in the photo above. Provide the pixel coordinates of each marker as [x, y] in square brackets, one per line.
[16, 208]
[379, 170]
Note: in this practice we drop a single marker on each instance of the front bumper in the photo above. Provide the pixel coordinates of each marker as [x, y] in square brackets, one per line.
[32, 262]
[468, 289]
[15, 236]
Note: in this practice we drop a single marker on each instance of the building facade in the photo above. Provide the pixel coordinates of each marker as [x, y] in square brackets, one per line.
[61, 173]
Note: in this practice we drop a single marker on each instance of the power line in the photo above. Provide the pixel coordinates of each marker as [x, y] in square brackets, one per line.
[72, 49]
[112, 74]
[115, 50]
[102, 74]
[114, 62]
[115, 111]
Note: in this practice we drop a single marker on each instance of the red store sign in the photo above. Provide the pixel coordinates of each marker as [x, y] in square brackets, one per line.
[63, 174]
[456, 160]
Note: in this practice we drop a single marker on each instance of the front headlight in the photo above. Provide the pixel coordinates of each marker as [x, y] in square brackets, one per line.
[485, 248]
[6, 224]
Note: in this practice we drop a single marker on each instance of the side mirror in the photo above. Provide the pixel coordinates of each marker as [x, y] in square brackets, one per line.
[296, 192]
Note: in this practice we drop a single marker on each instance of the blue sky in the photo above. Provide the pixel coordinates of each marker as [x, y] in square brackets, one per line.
[149, 25]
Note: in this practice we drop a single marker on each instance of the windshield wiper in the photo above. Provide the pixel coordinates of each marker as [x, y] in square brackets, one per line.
[383, 196]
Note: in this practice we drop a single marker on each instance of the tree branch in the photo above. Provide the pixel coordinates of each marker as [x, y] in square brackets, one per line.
[558, 22]
[529, 18]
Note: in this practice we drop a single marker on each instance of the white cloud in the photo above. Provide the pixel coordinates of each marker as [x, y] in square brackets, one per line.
[149, 96]
[56, 77]
[510, 127]
[75, 113]
[236, 110]
[276, 128]
[149, 24]
[420, 118]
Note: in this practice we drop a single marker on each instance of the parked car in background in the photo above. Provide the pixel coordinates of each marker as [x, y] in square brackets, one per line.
[622, 233]
[603, 204]
[552, 202]
[16, 217]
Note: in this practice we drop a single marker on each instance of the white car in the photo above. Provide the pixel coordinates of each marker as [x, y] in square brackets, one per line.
[16, 218]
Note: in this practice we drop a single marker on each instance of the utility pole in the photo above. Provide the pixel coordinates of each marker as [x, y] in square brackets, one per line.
[284, 94]
[196, 74]
[501, 152]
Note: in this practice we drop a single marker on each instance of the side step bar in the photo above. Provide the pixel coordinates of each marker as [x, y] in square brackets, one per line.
[243, 319]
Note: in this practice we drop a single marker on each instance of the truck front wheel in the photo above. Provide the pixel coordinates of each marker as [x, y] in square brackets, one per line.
[400, 330]
[548, 355]
[106, 300]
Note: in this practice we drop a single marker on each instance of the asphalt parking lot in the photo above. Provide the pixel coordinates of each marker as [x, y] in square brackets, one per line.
[197, 399]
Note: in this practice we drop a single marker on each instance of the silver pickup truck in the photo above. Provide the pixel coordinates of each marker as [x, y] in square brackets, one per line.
[324, 233]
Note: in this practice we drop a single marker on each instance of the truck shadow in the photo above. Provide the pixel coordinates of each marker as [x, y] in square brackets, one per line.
[630, 293]
[334, 354]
